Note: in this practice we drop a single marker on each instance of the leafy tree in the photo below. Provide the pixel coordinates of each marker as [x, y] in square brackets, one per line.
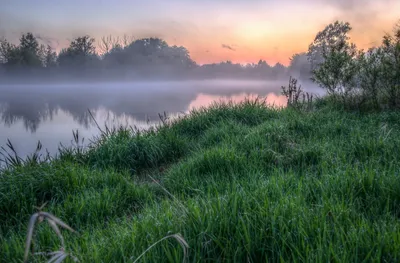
[331, 37]
[50, 60]
[334, 60]
[80, 53]
[27, 54]
[83, 46]
[263, 65]
[180, 58]
[7, 51]
[30, 51]
[300, 67]
[115, 58]
[370, 76]
[148, 55]
[262, 69]
[391, 67]
[147, 52]
[278, 71]
[29, 43]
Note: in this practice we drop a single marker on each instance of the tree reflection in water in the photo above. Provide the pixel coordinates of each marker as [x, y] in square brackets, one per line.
[34, 105]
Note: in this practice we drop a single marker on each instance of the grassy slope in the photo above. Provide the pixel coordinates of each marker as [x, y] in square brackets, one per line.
[251, 184]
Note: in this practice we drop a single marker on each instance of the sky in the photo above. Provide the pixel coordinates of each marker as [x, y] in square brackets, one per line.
[242, 31]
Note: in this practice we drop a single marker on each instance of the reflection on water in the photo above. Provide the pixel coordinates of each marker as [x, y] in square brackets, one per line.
[50, 113]
[204, 100]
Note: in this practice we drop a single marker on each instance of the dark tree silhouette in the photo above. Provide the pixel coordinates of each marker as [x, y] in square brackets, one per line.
[333, 35]
[300, 66]
[120, 59]
[80, 53]
[50, 58]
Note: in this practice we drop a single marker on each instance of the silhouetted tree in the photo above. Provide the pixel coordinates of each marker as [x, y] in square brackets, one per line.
[122, 58]
[331, 37]
[7, 51]
[80, 59]
[27, 55]
[148, 56]
[263, 69]
[180, 58]
[370, 75]
[30, 51]
[278, 71]
[107, 43]
[391, 66]
[50, 58]
[335, 67]
[300, 67]
[80, 53]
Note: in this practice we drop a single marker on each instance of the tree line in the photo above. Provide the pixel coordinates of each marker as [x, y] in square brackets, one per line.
[356, 78]
[127, 59]
[353, 77]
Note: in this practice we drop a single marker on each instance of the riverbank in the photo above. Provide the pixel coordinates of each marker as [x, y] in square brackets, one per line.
[240, 183]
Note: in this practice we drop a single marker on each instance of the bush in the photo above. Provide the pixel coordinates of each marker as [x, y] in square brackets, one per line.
[354, 78]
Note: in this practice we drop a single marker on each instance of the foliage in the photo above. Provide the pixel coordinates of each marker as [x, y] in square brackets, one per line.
[119, 58]
[80, 53]
[336, 66]
[370, 76]
[50, 59]
[391, 67]
[7, 51]
[300, 66]
[294, 94]
[333, 36]
[359, 79]
[28, 55]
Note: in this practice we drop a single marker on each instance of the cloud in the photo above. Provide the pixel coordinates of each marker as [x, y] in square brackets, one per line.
[369, 19]
[228, 47]
[359, 10]
[346, 5]
[353, 5]
[363, 10]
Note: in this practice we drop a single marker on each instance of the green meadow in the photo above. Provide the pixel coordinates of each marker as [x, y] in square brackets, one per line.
[238, 182]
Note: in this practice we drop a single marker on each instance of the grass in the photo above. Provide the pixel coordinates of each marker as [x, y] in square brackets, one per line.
[240, 183]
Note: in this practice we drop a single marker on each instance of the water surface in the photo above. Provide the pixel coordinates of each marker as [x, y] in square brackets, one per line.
[49, 113]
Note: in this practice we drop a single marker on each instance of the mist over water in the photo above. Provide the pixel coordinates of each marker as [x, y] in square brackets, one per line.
[49, 113]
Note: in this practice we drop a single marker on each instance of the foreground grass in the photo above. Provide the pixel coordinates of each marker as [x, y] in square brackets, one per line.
[249, 184]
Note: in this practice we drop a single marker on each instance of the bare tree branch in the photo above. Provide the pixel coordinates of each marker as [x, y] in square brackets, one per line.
[107, 43]
[127, 40]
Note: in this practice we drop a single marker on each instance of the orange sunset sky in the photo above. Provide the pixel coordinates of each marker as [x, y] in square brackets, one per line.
[213, 31]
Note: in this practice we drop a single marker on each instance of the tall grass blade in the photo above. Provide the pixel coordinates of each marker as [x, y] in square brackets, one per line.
[57, 220]
[94, 119]
[28, 241]
[57, 230]
[177, 237]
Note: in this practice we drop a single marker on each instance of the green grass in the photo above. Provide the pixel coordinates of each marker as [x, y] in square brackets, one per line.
[249, 184]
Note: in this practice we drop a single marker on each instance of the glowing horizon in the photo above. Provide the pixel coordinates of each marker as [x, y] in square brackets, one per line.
[236, 30]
